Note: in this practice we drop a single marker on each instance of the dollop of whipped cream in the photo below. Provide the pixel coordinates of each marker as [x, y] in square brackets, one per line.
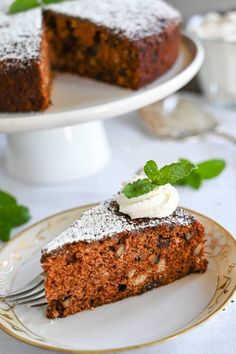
[159, 203]
[215, 26]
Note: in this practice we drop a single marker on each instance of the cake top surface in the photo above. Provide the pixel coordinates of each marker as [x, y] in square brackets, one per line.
[105, 220]
[132, 18]
[20, 36]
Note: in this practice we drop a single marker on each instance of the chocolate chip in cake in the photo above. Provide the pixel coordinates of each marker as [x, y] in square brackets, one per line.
[155, 57]
[163, 242]
[152, 285]
[138, 258]
[122, 287]
[91, 51]
[111, 248]
[122, 72]
[71, 258]
[97, 37]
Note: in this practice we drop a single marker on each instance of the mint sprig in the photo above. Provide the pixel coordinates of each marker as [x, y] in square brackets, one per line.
[158, 177]
[173, 173]
[210, 168]
[11, 215]
[139, 187]
[23, 5]
[151, 170]
[205, 170]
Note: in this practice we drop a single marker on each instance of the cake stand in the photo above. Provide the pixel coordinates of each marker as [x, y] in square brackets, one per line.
[68, 141]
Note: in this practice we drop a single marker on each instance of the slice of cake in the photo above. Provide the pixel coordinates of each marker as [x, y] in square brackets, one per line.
[127, 43]
[111, 252]
[24, 63]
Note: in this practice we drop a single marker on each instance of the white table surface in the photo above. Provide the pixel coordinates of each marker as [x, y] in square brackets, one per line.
[131, 146]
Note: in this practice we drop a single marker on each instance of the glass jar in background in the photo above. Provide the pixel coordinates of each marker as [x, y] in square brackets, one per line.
[217, 76]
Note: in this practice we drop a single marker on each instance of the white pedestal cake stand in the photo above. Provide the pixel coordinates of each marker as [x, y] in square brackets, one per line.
[68, 141]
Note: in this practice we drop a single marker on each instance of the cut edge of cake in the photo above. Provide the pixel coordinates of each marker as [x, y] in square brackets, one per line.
[25, 74]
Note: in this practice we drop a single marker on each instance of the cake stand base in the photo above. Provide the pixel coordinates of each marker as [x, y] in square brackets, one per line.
[59, 155]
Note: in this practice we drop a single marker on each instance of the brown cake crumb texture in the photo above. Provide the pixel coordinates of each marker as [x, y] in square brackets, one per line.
[25, 74]
[81, 47]
[86, 274]
[127, 43]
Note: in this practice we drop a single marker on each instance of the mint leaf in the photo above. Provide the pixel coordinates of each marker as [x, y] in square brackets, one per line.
[174, 172]
[184, 160]
[151, 170]
[210, 168]
[137, 188]
[16, 215]
[23, 5]
[6, 198]
[51, 1]
[21, 215]
[11, 214]
[205, 170]
[167, 174]
[5, 230]
[193, 180]
[182, 173]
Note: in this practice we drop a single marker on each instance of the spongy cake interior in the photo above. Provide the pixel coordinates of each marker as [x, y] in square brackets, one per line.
[105, 257]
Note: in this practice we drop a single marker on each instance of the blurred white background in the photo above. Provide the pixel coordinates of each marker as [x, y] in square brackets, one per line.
[189, 7]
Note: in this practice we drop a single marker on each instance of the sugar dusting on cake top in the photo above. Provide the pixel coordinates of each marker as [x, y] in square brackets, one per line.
[134, 19]
[20, 36]
[105, 220]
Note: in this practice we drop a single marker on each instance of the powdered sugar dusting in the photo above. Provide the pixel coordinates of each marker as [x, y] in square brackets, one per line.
[20, 36]
[132, 18]
[104, 221]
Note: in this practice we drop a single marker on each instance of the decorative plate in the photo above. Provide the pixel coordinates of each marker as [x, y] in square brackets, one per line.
[151, 318]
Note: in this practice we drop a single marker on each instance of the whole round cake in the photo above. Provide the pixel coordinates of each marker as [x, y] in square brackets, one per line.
[126, 43]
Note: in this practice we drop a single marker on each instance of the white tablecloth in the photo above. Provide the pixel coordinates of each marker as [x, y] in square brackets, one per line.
[131, 146]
